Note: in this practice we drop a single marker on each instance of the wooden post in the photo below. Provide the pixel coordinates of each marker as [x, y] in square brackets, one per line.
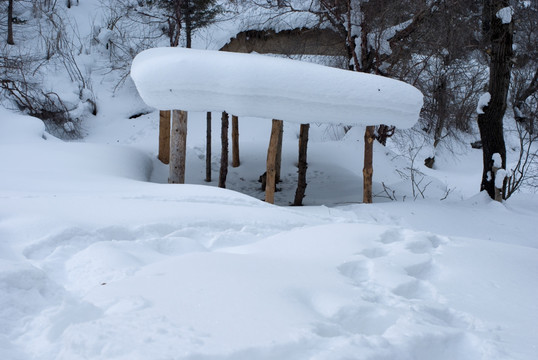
[278, 164]
[208, 148]
[235, 141]
[224, 151]
[178, 147]
[303, 165]
[368, 170]
[271, 162]
[164, 136]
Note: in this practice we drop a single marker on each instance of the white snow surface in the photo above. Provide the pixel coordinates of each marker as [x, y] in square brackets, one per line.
[101, 260]
[505, 14]
[497, 160]
[483, 101]
[499, 178]
[272, 88]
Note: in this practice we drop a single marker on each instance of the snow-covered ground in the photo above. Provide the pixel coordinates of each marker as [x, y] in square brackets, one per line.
[100, 259]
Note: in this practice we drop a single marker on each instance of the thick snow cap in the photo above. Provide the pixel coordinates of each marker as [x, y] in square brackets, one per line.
[269, 87]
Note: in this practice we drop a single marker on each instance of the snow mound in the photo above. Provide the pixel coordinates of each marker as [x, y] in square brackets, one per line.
[16, 128]
[268, 87]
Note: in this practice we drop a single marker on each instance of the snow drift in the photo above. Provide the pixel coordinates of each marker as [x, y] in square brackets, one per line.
[268, 87]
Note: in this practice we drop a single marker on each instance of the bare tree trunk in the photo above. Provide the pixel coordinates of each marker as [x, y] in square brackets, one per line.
[188, 24]
[303, 165]
[441, 99]
[208, 148]
[368, 170]
[278, 164]
[490, 123]
[235, 141]
[271, 162]
[224, 151]
[178, 147]
[10, 23]
[441, 111]
[164, 136]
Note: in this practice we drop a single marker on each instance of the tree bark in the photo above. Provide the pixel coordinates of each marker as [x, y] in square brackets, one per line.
[440, 97]
[10, 23]
[178, 147]
[303, 165]
[278, 164]
[224, 151]
[164, 136]
[235, 141]
[188, 24]
[271, 162]
[208, 148]
[490, 123]
[368, 170]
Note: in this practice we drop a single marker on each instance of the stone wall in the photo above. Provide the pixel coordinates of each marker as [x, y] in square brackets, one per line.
[288, 42]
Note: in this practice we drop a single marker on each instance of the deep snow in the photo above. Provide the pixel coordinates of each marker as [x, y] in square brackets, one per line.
[100, 259]
[99, 263]
[271, 88]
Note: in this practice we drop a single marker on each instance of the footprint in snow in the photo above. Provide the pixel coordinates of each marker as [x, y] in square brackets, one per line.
[424, 244]
[358, 271]
[416, 290]
[391, 236]
[374, 252]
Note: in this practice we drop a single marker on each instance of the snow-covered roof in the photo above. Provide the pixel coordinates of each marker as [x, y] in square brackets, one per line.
[269, 87]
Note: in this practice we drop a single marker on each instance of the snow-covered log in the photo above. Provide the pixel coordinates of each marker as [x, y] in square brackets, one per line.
[268, 87]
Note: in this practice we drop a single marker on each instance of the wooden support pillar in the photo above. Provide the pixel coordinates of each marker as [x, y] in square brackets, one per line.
[224, 152]
[271, 162]
[208, 148]
[278, 165]
[368, 170]
[235, 141]
[303, 165]
[178, 147]
[164, 136]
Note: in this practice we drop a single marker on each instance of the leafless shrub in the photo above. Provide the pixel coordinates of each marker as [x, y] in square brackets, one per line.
[387, 193]
[525, 172]
[22, 72]
[410, 145]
